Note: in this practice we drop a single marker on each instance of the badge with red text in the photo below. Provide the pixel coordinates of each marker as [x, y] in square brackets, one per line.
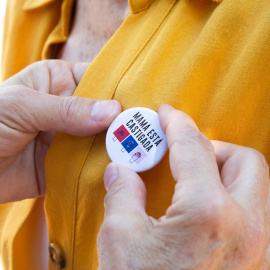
[136, 140]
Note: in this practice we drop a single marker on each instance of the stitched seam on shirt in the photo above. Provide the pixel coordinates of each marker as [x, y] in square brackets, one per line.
[76, 198]
[142, 48]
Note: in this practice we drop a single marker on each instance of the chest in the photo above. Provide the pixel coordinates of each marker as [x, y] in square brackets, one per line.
[93, 24]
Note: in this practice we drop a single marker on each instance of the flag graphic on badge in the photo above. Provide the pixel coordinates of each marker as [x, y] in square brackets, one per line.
[129, 144]
[137, 155]
[120, 134]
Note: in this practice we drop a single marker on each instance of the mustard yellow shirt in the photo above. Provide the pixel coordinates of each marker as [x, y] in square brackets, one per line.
[209, 59]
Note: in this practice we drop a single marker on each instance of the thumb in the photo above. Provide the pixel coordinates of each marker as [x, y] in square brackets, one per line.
[32, 111]
[126, 191]
[125, 223]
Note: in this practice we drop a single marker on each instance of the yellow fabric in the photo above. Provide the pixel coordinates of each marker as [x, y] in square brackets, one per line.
[139, 5]
[208, 59]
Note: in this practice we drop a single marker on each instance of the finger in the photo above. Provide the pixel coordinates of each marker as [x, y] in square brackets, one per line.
[125, 222]
[244, 173]
[192, 157]
[267, 219]
[54, 77]
[27, 110]
[126, 191]
[267, 258]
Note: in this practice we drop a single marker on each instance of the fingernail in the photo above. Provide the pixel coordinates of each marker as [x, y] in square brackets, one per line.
[111, 173]
[103, 110]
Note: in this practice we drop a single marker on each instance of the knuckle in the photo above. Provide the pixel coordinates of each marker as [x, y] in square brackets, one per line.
[264, 162]
[107, 230]
[69, 108]
[259, 160]
[15, 108]
[195, 137]
[217, 216]
[216, 210]
[113, 227]
[116, 188]
[256, 238]
[11, 96]
[38, 64]
[260, 237]
[110, 225]
[206, 209]
[258, 157]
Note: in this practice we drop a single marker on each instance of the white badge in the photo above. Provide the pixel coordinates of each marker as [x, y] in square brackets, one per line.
[136, 140]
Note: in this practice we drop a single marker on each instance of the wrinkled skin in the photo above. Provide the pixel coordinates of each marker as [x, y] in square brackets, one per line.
[218, 218]
[33, 104]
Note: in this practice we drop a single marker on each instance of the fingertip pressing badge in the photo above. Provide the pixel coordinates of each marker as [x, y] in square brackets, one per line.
[136, 140]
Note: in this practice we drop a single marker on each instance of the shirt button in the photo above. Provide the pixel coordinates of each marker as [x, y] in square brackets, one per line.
[57, 256]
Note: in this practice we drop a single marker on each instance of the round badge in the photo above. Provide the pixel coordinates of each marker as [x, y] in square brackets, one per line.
[136, 140]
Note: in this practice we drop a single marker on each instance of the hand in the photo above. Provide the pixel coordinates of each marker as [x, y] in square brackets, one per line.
[38, 99]
[219, 216]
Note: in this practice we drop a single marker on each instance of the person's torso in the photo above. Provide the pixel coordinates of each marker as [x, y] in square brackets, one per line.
[210, 60]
